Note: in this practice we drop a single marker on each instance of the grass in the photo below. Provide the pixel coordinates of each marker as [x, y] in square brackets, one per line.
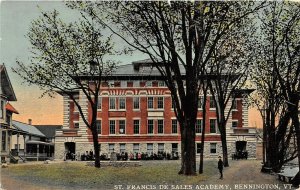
[77, 174]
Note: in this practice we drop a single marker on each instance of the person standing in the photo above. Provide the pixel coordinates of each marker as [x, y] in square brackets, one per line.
[220, 167]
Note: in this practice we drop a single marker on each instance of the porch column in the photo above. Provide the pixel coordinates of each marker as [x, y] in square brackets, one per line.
[37, 152]
[18, 147]
[7, 148]
[24, 136]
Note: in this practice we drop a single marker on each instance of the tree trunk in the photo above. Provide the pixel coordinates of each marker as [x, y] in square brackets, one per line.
[296, 123]
[224, 147]
[222, 129]
[96, 147]
[188, 153]
[203, 135]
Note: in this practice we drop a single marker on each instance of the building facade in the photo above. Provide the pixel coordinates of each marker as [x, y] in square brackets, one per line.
[136, 115]
[6, 112]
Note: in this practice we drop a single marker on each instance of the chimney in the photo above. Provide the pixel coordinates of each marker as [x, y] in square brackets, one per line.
[30, 121]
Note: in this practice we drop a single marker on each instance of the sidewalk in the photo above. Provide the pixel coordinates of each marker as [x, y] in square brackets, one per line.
[245, 174]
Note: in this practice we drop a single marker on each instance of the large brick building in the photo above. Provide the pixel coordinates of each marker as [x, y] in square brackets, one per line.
[135, 114]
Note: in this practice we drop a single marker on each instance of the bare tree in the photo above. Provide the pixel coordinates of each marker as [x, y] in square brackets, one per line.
[277, 77]
[179, 37]
[63, 56]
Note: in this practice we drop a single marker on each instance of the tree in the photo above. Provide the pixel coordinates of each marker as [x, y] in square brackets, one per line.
[179, 38]
[277, 76]
[64, 53]
[230, 68]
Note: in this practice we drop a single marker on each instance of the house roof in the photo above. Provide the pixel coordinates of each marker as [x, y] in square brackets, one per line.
[5, 84]
[10, 108]
[27, 128]
[48, 130]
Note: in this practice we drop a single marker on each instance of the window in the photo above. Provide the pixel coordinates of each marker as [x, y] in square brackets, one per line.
[122, 148]
[4, 140]
[174, 126]
[2, 109]
[76, 125]
[123, 83]
[160, 102]
[213, 148]
[161, 83]
[112, 103]
[149, 148]
[161, 147]
[199, 126]
[99, 105]
[112, 127]
[122, 128]
[150, 126]
[136, 103]
[136, 83]
[148, 83]
[122, 103]
[234, 123]
[136, 148]
[160, 126]
[212, 125]
[234, 104]
[136, 126]
[150, 102]
[212, 103]
[98, 126]
[174, 147]
[111, 148]
[200, 102]
[199, 148]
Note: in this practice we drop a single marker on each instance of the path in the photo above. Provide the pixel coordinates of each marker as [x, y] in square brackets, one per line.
[245, 174]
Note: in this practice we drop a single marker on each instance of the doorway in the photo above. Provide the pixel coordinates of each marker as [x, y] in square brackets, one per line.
[241, 146]
[70, 149]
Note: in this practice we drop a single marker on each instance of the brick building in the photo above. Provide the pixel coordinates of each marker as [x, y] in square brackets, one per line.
[135, 114]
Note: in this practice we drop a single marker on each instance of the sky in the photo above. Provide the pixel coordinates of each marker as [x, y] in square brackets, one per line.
[15, 20]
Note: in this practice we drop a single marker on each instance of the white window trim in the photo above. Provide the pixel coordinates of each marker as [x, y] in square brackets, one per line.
[137, 109]
[163, 103]
[112, 109]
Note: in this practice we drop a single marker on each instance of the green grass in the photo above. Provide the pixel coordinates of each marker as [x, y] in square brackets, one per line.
[76, 174]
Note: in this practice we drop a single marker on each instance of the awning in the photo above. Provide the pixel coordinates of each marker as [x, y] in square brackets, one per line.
[10, 108]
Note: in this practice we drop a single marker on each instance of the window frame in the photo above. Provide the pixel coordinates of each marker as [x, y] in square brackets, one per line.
[173, 126]
[150, 126]
[215, 126]
[197, 126]
[110, 101]
[152, 102]
[160, 126]
[112, 127]
[134, 127]
[136, 103]
[123, 100]
[123, 125]
[160, 102]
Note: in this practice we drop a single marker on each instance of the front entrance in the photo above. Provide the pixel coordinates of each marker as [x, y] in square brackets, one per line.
[241, 152]
[70, 150]
[241, 146]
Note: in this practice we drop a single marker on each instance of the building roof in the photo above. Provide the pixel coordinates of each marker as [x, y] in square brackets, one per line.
[48, 130]
[5, 84]
[27, 128]
[10, 108]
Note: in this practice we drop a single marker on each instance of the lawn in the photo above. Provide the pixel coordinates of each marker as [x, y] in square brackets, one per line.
[78, 175]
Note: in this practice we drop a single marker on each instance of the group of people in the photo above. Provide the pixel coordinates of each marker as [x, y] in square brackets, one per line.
[88, 155]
